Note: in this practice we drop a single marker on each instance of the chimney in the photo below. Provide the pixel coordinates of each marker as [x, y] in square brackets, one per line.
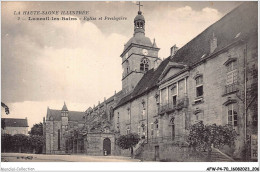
[213, 43]
[157, 63]
[174, 49]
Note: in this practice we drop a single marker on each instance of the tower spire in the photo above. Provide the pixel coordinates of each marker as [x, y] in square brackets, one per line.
[64, 108]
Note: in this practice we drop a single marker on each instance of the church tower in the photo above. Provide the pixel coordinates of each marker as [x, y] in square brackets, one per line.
[64, 116]
[139, 55]
[64, 127]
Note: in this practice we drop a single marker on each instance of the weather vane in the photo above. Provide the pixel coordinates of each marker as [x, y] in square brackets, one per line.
[139, 4]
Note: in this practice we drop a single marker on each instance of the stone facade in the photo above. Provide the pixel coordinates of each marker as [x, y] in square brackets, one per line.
[213, 79]
[58, 124]
[208, 87]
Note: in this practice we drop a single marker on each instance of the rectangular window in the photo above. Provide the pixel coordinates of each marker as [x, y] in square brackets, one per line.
[163, 97]
[199, 86]
[174, 100]
[174, 95]
[199, 91]
[232, 115]
[232, 77]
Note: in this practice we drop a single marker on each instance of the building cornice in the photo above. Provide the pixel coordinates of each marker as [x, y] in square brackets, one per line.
[139, 46]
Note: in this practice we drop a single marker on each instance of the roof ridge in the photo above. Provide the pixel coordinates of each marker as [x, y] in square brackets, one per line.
[210, 26]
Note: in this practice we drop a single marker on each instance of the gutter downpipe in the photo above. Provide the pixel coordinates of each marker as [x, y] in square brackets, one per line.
[147, 117]
[245, 101]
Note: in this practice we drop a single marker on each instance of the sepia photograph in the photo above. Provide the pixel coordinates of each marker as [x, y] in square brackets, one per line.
[129, 81]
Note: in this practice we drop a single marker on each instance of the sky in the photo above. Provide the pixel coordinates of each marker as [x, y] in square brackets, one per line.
[47, 63]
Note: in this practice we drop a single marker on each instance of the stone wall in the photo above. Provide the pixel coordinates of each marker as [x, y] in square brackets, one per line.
[93, 143]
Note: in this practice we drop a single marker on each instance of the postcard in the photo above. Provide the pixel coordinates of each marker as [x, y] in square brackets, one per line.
[130, 82]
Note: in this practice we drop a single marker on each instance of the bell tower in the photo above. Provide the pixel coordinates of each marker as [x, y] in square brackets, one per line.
[64, 116]
[139, 55]
[64, 127]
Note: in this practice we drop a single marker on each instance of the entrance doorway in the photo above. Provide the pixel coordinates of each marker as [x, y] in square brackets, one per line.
[106, 146]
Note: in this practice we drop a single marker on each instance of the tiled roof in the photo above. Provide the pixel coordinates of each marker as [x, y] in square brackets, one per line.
[237, 24]
[73, 115]
[15, 122]
[148, 81]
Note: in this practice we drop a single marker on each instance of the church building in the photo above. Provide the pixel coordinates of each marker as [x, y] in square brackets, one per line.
[213, 78]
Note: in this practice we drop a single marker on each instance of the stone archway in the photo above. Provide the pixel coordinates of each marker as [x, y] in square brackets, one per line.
[106, 146]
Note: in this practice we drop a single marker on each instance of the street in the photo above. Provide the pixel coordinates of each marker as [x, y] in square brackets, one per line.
[23, 157]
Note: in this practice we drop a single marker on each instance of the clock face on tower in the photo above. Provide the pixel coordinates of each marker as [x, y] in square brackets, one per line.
[145, 51]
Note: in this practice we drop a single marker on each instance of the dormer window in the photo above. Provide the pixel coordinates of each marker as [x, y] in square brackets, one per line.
[144, 66]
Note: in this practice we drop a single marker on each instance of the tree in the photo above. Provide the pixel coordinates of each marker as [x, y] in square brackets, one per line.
[36, 143]
[20, 141]
[6, 142]
[203, 137]
[37, 129]
[6, 112]
[128, 141]
[6, 108]
[3, 123]
[36, 138]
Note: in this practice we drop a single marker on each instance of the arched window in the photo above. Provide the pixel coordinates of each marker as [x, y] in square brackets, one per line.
[138, 25]
[141, 25]
[144, 66]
